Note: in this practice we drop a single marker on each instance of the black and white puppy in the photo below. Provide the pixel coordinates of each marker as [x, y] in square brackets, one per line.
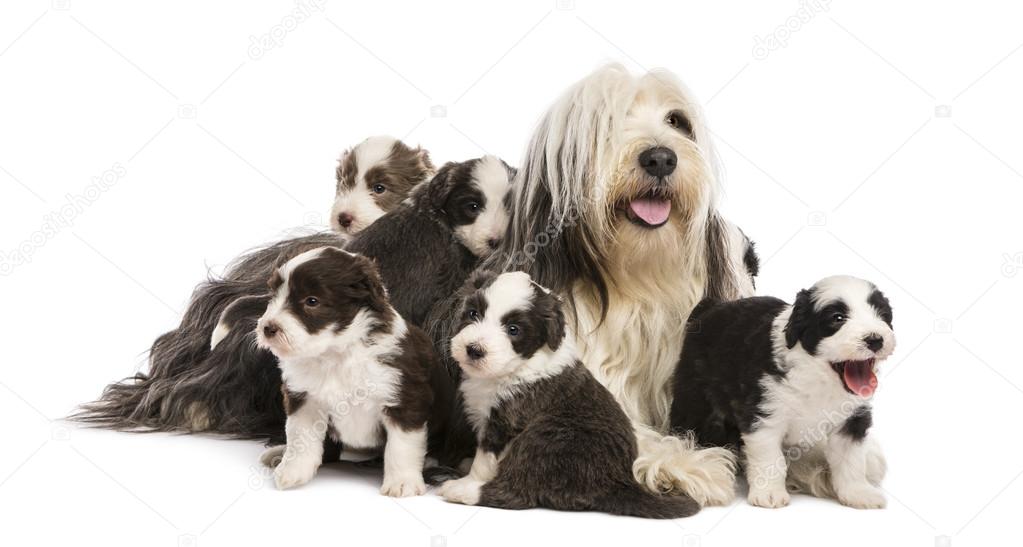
[548, 433]
[353, 369]
[776, 380]
[373, 178]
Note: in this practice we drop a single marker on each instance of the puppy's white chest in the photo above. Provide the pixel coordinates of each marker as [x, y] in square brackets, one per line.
[812, 403]
[353, 394]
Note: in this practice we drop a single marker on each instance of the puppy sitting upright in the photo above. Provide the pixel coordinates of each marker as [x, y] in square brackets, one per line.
[549, 434]
[353, 369]
[773, 380]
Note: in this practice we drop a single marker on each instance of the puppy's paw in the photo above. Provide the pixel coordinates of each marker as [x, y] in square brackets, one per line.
[769, 498]
[862, 497]
[272, 456]
[290, 474]
[465, 490]
[403, 486]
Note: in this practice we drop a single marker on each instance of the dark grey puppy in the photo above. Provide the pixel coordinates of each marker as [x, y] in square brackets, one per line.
[548, 433]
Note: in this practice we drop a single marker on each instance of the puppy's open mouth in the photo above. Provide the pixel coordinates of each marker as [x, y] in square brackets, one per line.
[858, 377]
[649, 210]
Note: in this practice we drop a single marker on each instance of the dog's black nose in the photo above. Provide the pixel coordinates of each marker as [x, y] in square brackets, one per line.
[658, 161]
[270, 330]
[345, 220]
[493, 242]
[874, 342]
[475, 351]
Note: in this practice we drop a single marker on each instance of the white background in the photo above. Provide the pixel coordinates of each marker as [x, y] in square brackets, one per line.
[869, 138]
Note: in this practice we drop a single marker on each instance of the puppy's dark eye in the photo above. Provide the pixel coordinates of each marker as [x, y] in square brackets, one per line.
[312, 301]
[839, 318]
[473, 315]
[472, 207]
[677, 120]
[379, 188]
[513, 330]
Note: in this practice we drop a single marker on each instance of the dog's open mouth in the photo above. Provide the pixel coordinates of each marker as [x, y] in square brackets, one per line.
[858, 377]
[650, 210]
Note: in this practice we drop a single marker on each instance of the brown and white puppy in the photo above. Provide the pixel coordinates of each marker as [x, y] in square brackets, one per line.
[353, 369]
[374, 177]
[548, 433]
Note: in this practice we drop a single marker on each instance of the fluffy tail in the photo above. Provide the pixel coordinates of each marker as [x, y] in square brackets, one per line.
[232, 389]
[670, 464]
[634, 501]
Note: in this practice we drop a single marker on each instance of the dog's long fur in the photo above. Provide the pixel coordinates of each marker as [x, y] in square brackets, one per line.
[233, 388]
[630, 288]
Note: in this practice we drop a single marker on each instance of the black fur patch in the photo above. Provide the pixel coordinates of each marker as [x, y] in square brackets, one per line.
[727, 352]
[809, 326]
[881, 305]
[751, 260]
[567, 445]
[857, 425]
[423, 381]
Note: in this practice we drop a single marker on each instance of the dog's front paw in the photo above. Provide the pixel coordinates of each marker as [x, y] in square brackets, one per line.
[271, 457]
[769, 498]
[292, 473]
[403, 487]
[862, 497]
[465, 490]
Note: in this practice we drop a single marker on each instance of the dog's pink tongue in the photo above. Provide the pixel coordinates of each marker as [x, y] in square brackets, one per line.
[653, 211]
[859, 378]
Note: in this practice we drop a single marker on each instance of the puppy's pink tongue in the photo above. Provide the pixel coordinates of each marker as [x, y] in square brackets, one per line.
[860, 378]
[653, 211]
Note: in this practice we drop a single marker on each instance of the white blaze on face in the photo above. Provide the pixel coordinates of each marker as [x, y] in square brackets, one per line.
[357, 200]
[491, 176]
[509, 292]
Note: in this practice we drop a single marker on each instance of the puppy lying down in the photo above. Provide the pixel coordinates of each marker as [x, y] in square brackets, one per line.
[549, 434]
[778, 381]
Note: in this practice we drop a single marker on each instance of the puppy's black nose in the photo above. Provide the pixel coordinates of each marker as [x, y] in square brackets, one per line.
[475, 351]
[874, 342]
[345, 220]
[270, 330]
[658, 161]
[493, 242]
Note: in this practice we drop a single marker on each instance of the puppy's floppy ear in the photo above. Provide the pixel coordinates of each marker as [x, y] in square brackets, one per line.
[369, 283]
[439, 187]
[512, 171]
[424, 159]
[553, 318]
[802, 309]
